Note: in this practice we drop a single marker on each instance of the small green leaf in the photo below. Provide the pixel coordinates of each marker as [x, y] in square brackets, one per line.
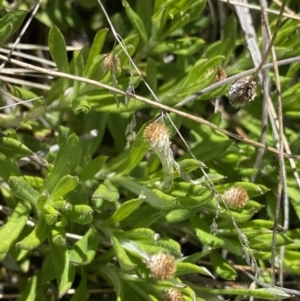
[84, 250]
[58, 48]
[36, 237]
[58, 236]
[222, 267]
[183, 268]
[123, 258]
[30, 291]
[124, 211]
[95, 50]
[10, 23]
[80, 214]
[23, 190]
[64, 186]
[67, 159]
[5, 32]
[10, 232]
[13, 148]
[136, 22]
[106, 191]
[64, 272]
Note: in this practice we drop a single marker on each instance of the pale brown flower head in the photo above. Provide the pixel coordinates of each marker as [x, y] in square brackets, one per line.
[241, 92]
[162, 266]
[156, 134]
[111, 63]
[236, 197]
[172, 294]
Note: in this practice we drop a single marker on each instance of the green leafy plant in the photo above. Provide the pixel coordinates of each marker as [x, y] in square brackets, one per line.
[94, 195]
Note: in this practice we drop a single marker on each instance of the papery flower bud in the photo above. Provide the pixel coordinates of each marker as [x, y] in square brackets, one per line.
[236, 197]
[111, 63]
[162, 266]
[241, 92]
[157, 135]
[172, 294]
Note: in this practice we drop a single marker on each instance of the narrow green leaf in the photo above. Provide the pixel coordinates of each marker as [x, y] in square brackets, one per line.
[136, 22]
[64, 186]
[261, 293]
[222, 267]
[81, 293]
[5, 32]
[183, 268]
[36, 237]
[110, 274]
[10, 232]
[84, 250]
[123, 258]
[67, 159]
[92, 168]
[95, 50]
[64, 272]
[159, 20]
[229, 37]
[124, 211]
[78, 65]
[30, 290]
[13, 148]
[22, 190]
[15, 19]
[58, 48]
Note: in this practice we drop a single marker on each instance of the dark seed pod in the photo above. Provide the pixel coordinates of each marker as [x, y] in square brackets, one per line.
[241, 92]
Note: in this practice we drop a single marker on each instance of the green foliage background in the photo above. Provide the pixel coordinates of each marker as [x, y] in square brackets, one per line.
[93, 201]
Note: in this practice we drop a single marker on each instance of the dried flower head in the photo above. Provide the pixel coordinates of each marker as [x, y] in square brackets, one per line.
[236, 197]
[157, 135]
[241, 92]
[221, 74]
[162, 266]
[111, 63]
[172, 294]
